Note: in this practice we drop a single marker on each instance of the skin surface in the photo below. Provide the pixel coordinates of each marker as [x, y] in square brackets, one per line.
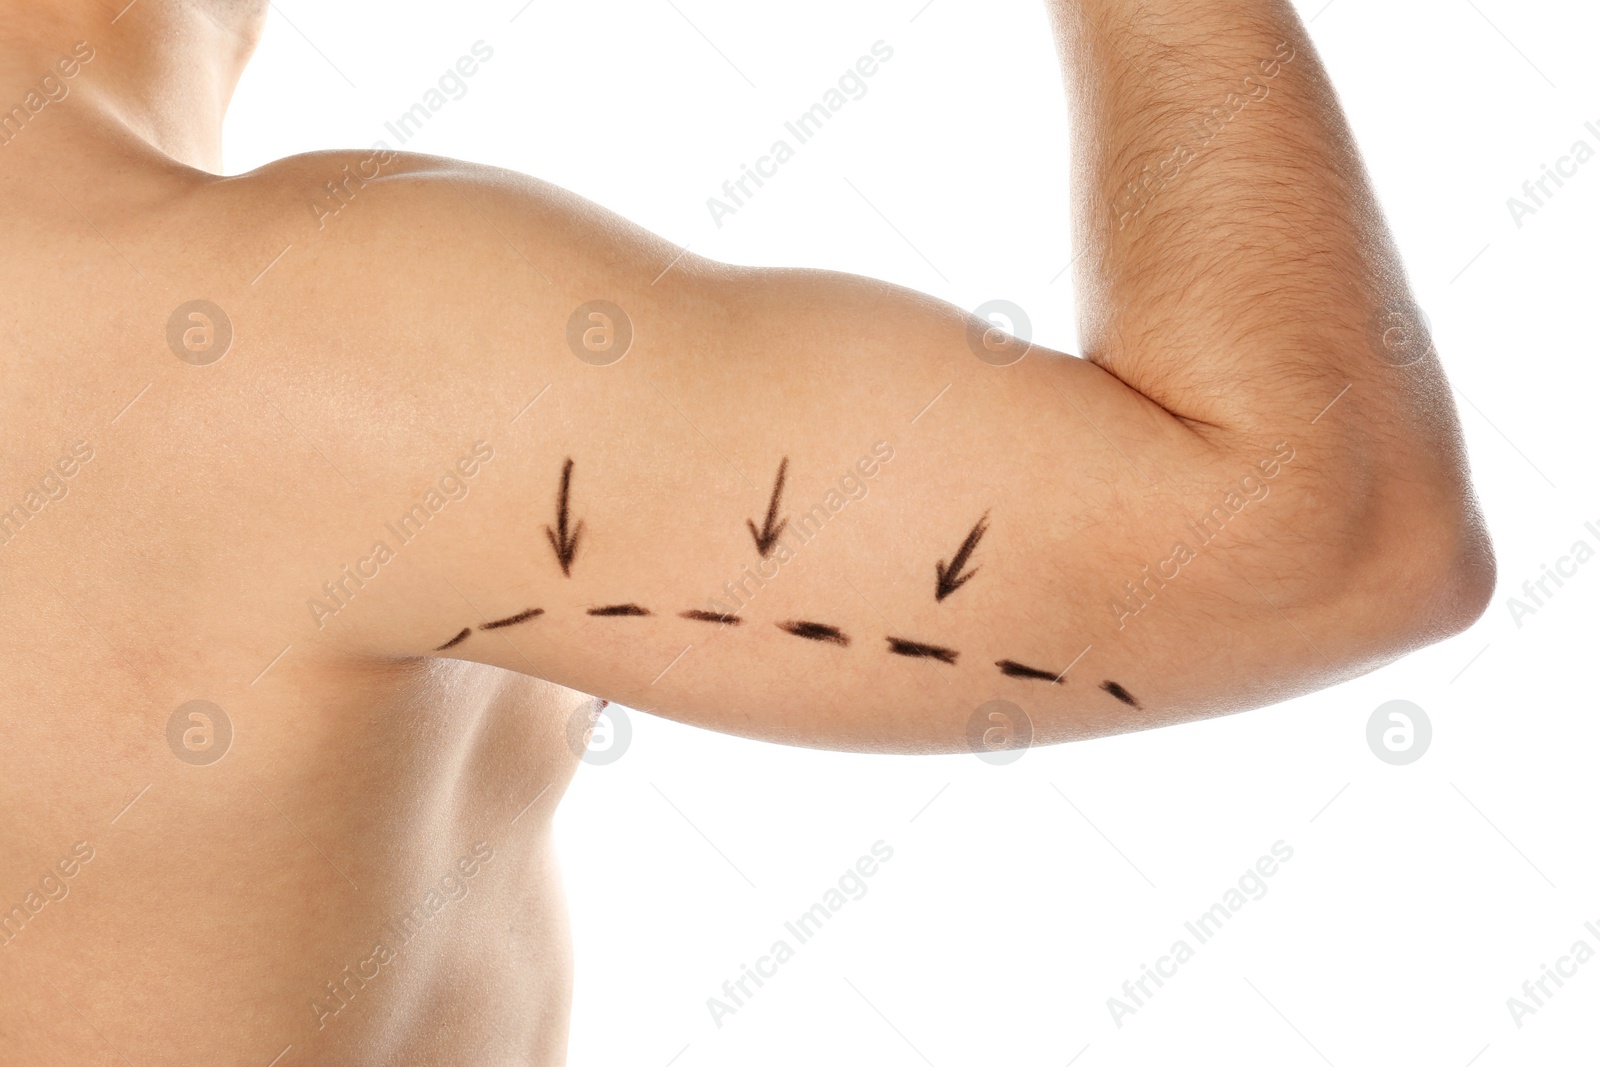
[1229, 363]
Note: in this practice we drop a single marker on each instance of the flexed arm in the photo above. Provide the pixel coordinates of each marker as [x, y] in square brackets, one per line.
[1252, 486]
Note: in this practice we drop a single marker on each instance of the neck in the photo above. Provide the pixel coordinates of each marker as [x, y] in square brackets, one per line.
[158, 71]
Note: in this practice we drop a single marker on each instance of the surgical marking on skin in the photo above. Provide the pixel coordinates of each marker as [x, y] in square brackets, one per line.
[772, 528]
[710, 616]
[950, 578]
[512, 620]
[456, 640]
[619, 609]
[1120, 693]
[565, 544]
[1018, 670]
[901, 647]
[814, 631]
[819, 631]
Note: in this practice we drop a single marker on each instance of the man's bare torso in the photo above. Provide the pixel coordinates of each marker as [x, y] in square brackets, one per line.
[305, 512]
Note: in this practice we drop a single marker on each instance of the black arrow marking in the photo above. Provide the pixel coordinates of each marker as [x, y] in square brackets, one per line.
[951, 578]
[566, 545]
[769, 533]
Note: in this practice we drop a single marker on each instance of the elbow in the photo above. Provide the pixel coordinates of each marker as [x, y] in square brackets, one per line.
[1437, 577]
[1473, 575]
[1462, 581]
[1389, 547]
[1395, 570]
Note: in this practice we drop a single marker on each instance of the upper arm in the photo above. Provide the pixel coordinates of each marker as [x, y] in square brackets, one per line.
[1107, 565]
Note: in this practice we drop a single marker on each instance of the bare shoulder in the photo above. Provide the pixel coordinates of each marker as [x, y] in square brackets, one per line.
[359, 200]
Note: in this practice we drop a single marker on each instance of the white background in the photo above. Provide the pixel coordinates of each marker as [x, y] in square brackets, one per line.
[1020, 898]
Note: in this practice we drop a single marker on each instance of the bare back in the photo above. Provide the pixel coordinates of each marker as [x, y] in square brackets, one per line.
[349, 859]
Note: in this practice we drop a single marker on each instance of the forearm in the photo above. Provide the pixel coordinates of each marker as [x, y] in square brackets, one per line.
[1231, 253]
[1233, 265]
